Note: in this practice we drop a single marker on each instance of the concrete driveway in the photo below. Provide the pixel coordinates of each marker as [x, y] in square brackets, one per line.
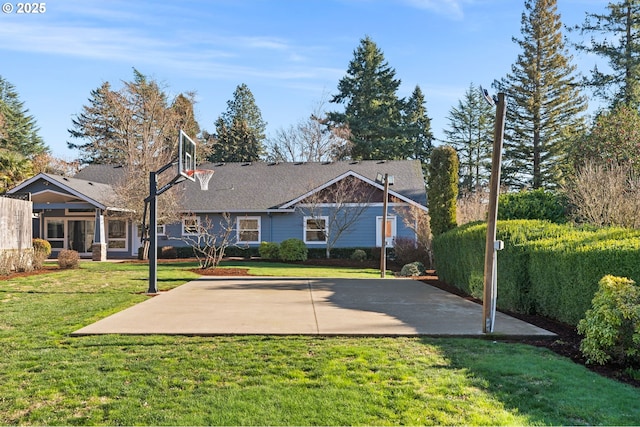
[286, 306]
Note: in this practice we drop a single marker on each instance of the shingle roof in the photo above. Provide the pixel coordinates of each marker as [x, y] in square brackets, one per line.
[97, 193]
[262, 186]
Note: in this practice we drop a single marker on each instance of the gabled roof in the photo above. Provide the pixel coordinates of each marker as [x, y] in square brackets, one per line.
[260, 187]
[237, 187]
[98, 194]
[350, 173]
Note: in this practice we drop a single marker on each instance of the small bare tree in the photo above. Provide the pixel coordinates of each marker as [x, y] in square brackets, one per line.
[417, 220]
[209, 240]
[335, 209]
[310, 141]
[472, 206]
[606, 195]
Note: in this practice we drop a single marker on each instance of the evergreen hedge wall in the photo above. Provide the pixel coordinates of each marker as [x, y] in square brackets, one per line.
[545, 268]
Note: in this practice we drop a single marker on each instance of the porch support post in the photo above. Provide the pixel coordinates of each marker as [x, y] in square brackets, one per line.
[99, 247]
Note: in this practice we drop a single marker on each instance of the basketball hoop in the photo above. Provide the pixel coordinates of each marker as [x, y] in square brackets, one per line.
[203, 176]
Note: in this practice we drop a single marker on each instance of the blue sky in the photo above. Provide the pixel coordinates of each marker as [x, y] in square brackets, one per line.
[290, 53]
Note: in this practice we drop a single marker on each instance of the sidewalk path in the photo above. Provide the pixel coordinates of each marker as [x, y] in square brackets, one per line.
[286, 306]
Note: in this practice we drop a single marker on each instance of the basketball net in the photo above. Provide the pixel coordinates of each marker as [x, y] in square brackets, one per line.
[203, 176]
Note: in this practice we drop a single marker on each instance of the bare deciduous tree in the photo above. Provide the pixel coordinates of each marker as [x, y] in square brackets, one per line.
[309, 141]
[417, 220]
[473, 206]
[47, 163]
[137, 128]
[210, 240]
[606, 195]
[335, 209]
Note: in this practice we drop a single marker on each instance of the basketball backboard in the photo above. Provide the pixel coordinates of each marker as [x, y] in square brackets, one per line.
[186, 156]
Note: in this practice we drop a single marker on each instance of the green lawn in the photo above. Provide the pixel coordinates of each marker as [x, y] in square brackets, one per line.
[49, 378]
[277, 269]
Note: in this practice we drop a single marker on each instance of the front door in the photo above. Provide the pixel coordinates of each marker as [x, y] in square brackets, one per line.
[81, 235]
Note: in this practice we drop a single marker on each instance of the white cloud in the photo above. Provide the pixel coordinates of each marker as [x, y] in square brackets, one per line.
[450, 8]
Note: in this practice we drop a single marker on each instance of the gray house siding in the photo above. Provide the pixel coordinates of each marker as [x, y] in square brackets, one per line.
[271, 195]
[276, 227]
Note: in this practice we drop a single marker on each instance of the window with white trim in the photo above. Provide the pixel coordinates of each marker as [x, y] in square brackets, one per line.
[117, 234]
[316, 229]
[190, 225]
[248, 229]
[54, 232]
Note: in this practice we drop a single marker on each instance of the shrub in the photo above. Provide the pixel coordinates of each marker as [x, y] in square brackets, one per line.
[408, 250]
[533, 204]
[168, 252]
[68, 259]
[269, 250]
[412, 269]
[612, 326]
[293, 250]
[41, 245]
[41, 251]
[605, 195]
[443, 189]
[359, 255]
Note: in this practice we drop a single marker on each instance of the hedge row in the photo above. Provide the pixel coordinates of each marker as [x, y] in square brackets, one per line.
[545, 268]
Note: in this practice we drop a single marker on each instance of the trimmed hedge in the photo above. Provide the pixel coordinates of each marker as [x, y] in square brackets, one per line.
[545, 268]
[533, 204]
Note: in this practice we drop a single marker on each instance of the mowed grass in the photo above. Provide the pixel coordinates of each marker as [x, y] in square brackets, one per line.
[50, 378]
[276, 269]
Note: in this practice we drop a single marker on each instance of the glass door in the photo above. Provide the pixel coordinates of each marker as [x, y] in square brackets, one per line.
[81, 235]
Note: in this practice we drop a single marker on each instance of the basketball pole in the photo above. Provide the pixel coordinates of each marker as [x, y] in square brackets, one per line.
[153, 233]
[154, 192]
[492, 246]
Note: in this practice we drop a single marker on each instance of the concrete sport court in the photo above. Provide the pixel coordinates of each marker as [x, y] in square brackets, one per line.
[299, 306]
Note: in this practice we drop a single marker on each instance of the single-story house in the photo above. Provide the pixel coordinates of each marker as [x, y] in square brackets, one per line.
[268, 202]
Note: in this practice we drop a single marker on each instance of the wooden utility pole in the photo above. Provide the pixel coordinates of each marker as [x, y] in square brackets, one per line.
[383, 243]
[492, 246]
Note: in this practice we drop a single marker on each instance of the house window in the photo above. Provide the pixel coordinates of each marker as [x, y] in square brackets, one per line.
[161, 230]
[117, 234]
[54, 233]
[316, 229]
[248, 229]
[190, 225]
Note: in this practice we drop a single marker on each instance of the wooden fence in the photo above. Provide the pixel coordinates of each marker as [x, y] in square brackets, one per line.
[15, 224]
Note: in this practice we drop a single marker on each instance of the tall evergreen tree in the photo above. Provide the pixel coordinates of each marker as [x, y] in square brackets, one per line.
[19, 131]
[442, 191]
[417, 128]
[240, 130]
[544, 113]
[470, 132]
[373, 112]
[186, 120]
[14, 168]
[620, 46]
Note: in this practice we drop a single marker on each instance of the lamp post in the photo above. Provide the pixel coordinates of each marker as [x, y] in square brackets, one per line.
[492, 246]
[387, 180]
